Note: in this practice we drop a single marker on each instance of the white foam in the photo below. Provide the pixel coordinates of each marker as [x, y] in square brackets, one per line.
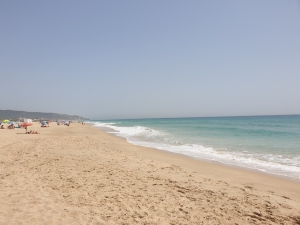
[269, 163]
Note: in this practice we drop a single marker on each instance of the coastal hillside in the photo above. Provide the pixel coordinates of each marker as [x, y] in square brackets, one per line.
[13, 114]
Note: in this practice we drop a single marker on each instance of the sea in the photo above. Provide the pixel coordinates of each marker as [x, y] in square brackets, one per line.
[270, 144]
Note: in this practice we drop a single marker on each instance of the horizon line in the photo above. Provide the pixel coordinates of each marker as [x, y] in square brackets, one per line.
[198, 117]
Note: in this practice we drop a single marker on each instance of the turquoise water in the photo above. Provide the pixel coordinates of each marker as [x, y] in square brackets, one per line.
[266, 143]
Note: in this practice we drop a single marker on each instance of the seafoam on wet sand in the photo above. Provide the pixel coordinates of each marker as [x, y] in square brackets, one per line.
[270, 144]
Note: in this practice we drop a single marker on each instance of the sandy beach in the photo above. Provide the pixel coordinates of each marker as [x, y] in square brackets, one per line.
[82, 175]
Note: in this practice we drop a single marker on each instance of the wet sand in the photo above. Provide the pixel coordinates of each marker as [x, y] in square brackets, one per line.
[82, 175]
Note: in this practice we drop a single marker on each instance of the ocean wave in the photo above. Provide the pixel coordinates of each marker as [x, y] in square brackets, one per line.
[148, 137]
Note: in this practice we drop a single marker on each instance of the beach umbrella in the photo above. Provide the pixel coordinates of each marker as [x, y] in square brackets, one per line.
[5, 121]
[25, 124]
[11, 122]
[44, 122]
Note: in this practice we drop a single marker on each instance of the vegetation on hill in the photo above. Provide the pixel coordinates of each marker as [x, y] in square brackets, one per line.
[13, 115]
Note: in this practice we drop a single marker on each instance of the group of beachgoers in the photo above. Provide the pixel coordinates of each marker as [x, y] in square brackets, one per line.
[32, 132]
[10, 126]
[24, 125]
[13, 125]
[64, 122]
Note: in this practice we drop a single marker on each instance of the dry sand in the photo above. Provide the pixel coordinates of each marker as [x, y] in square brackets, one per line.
[81, 175]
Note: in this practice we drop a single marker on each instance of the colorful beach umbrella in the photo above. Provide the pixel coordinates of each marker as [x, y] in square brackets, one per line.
[5, 121]
[25, 124]
[11, 122]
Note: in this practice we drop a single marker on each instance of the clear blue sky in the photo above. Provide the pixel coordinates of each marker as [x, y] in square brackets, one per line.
[141, 59]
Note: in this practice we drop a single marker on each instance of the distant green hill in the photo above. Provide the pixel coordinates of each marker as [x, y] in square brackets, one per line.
[12, 115]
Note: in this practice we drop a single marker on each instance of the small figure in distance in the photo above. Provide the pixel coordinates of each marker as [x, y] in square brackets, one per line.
[11, 126]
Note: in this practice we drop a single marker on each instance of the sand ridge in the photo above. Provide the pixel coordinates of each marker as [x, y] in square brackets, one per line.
[81, 175]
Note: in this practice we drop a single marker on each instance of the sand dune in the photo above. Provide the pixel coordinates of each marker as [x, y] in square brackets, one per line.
[81, 175]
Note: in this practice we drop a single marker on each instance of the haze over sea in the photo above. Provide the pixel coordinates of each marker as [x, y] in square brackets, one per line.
[270, 144]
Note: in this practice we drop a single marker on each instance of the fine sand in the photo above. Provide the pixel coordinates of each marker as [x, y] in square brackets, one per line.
[81, 175]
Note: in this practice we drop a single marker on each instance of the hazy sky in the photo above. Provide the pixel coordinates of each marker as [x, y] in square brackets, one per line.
[141, 59]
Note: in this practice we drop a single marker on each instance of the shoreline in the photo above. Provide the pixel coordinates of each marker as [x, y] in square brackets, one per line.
[83, 175]
[246, 169]
[269, 180]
